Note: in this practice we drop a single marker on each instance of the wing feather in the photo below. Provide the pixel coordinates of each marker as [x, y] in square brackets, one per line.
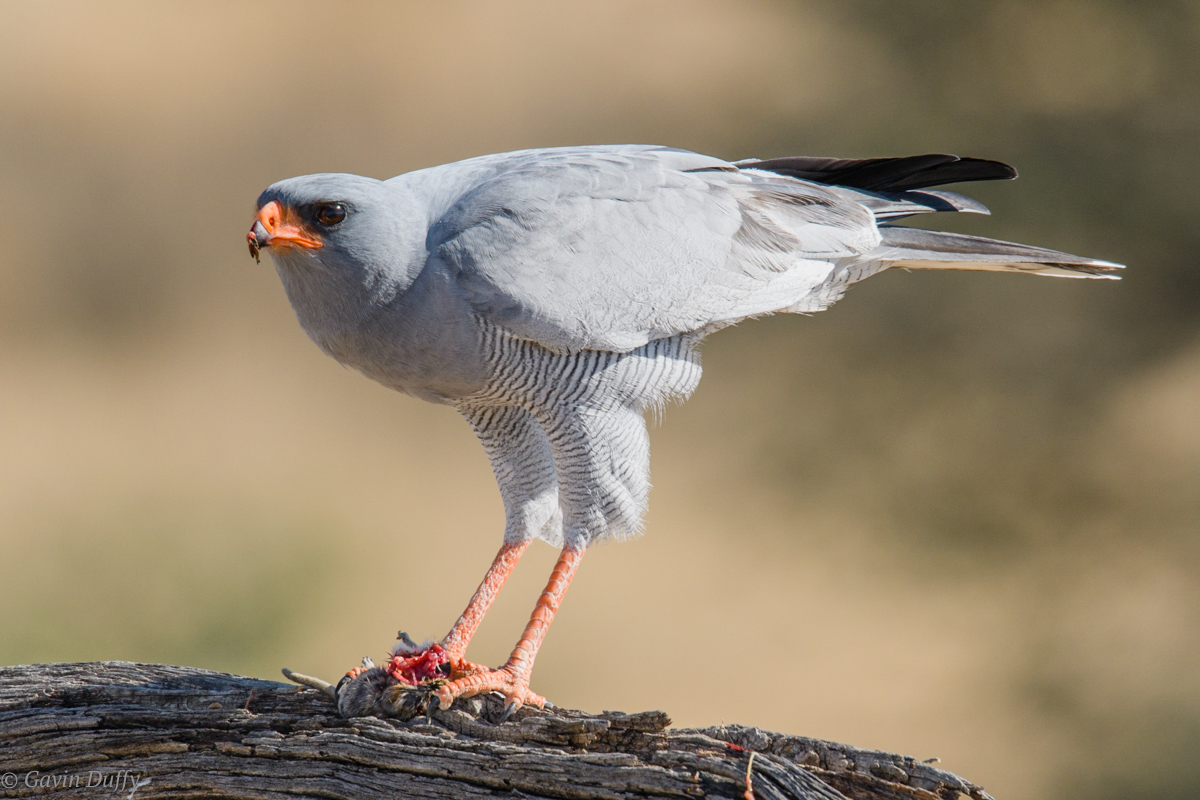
[609, 248]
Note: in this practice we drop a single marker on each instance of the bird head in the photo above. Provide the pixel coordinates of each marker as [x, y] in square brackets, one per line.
[325, 218]
[344, 246]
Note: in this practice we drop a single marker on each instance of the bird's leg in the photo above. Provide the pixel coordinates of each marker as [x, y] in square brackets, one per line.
[513, 678]
[411, 665]
[456, 641]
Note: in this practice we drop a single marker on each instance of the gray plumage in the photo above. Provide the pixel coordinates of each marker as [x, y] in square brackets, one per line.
[553, 296]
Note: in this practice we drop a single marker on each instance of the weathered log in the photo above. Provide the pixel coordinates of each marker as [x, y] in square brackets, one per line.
[149, 730]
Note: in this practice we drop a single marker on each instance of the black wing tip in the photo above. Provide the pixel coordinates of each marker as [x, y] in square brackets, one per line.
[996, 170]
[898, 174]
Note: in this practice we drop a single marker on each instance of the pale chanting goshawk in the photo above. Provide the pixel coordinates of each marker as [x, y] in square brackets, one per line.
[553, 296]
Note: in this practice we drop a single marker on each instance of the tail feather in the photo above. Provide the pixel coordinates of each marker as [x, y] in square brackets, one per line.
[894, 188]
[913, 248]
[891, 206]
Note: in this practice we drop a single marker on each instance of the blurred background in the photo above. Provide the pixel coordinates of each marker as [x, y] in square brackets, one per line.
[957, 515]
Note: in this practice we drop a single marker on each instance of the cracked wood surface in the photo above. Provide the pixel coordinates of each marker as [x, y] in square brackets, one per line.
[150, 730]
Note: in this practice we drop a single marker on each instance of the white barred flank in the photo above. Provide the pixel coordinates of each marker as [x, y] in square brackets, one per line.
[566, 435]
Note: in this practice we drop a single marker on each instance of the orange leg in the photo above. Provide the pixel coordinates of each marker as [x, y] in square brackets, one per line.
[459, 637]
[513, 677]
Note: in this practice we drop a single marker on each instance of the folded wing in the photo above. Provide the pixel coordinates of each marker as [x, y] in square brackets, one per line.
[609, 248]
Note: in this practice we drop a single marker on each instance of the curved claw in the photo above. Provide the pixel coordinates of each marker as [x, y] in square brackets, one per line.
[432, 703]
[511, 705]
[513, 685]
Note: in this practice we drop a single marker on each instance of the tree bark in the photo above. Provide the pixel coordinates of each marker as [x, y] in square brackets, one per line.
[149, 730]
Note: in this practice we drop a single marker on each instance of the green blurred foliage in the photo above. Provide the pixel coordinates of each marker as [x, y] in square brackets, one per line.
[165, 579]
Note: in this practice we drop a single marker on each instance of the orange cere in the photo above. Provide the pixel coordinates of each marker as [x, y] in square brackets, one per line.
[284, 228]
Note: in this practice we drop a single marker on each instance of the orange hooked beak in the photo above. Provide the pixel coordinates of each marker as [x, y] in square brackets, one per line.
[277, 226]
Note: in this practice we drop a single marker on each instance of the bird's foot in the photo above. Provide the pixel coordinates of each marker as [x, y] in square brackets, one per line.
[513, 684]
[443, 676]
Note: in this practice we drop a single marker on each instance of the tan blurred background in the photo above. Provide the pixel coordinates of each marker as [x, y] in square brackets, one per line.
[956, 515]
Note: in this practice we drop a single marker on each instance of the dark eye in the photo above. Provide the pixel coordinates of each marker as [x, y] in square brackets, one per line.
[331, 213]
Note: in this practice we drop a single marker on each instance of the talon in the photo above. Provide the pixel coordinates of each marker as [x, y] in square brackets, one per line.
[511, 684]
[509, 707]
